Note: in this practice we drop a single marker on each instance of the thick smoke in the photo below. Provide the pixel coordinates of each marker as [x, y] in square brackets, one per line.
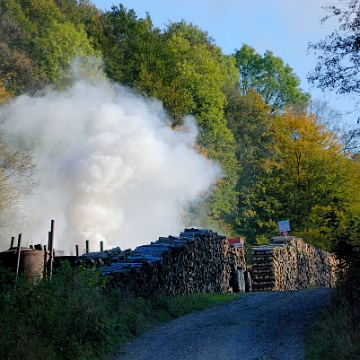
[109, 165]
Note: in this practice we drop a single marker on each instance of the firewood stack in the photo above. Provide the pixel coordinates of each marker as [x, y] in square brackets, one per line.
[237, 257]
[196, 261]
[289, 263]
[263, 276]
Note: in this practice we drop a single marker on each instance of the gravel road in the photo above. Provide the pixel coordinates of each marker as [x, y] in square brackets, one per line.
[258, 326]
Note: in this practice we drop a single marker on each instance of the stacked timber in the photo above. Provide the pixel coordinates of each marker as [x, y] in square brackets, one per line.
[263, 277]
[240, 280]
[237, 257]
[288, 263]
[321, 265]
[99, 259]
[196, 261]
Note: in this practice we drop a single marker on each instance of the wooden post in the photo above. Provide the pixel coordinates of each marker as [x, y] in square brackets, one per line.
[87, 246]
[51, 247]
[12, 242]
[18, 256]
[101, 246]
[77, 250]
[48, 256]
[45, 262]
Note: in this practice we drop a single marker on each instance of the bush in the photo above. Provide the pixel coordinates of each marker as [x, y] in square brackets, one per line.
[72, 317]
[66, 317]
[333, 336]
[336, 336]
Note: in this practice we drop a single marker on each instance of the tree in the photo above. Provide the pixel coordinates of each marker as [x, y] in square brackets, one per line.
[270, 77]
[47, 39]
[58, 45]
[332, 119]
[316, 177]
[291, 166]
[338, 60]
[18, 72]
[128, 44]
[77, 11]
[196, 74]
[187, 72]
[251, 122]
[16, 170]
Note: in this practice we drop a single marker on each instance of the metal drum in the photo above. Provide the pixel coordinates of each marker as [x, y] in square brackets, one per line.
[31, 261]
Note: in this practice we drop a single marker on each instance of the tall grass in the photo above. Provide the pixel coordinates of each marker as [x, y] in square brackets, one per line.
[72, 317]
[336, 336]
[333, 336]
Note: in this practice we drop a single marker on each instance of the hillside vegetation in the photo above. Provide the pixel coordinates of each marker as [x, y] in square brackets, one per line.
[281, 154]
[279, 157]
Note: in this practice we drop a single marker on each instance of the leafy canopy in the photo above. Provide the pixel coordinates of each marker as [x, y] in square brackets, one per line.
[270, 77]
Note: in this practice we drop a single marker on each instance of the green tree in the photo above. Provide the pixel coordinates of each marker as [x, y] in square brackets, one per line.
[47, 38]
[270, 77]
[187, 72]
[128, 44]
[196, 74]
[251, 122]
[77, 11]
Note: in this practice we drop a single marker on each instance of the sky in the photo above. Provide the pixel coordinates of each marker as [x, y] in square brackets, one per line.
[284, 27]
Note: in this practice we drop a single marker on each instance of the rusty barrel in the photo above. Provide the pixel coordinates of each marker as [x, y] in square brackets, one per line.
[31, 261]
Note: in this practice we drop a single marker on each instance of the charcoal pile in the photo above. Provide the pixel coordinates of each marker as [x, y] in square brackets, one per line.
[289, 263]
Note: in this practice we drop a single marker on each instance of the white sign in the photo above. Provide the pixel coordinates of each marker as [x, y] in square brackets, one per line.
[284, 226]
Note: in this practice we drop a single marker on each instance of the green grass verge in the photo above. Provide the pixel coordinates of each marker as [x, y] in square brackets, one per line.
[71, 317]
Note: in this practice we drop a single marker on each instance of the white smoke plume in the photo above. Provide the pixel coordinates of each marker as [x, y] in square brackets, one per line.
[110, 168]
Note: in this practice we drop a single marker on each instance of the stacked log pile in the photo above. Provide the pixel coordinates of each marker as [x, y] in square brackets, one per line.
[203, 261]
[195, 261]
[263, 276]
[99, 259]
[289, 263]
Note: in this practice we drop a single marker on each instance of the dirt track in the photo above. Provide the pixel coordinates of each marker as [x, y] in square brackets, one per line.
[259, 326]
